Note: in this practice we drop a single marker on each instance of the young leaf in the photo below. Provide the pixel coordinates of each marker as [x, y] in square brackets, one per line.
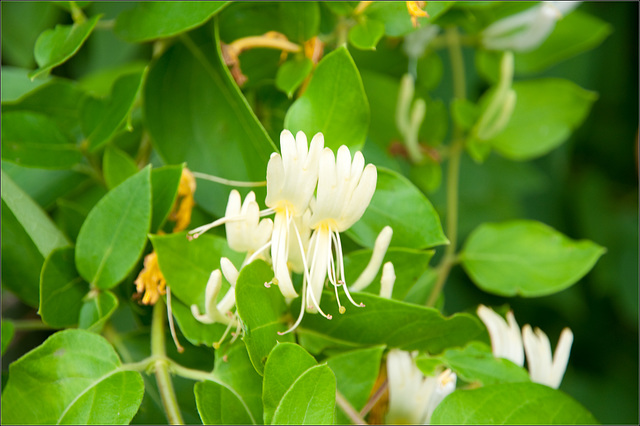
[219, 405]
[366, 34]
[164, 190]
[74, 377]
[56, 46]
[292, 73]
[511, 403]
[310, 400]
[113, 236]
[399, 204]
[117, 166]
[526, 258]
[96, 310]
[334, 103]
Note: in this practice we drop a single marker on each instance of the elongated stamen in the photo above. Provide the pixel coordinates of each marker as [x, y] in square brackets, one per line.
[342, 281]
[237, 332]
[302, 309]
[227, 182]
[216, 345]
[195, 233]
[172, 327]
[267, 212]
[255, 254]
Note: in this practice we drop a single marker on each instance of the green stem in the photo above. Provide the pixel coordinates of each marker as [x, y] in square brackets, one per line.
[453, 171]
[30, 325]
[163, 378]
[348, 409]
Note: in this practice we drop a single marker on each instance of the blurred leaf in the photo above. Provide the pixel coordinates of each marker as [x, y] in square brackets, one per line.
[399, 204]
[219, 405]
[74, 377]
[16, 83]
[429, 70]
[56, 46]
[546, 112]
[292, 73]
[262, 312]
[310, 400]
[511, 403]
[102, 118]
[366, 34]
[178, 103]
[300, 20]
[7, 334]
[334, 103]
[396, 17]
[340, 7]
[96, 310]
[31, 139]
[464, 113]
[117, 166]
[62, 290]
[150, 20]
[277, 379]
[526, 258]
[114, 234]
[100, 83]
[69, 217]
[392, 323]
[164, 191]
[196, 332]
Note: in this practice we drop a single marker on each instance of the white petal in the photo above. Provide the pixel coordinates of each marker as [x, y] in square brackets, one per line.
[229, 271]
[227, 302]
[275, 180]
[561, 357]
[387, 280]
[360, 200]
[211, 291]
[377, 256]
[514, 341]
[301, 145]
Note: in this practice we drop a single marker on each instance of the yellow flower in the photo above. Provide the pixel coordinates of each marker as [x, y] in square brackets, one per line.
[181, 213]
[150, 281]
[415, 11]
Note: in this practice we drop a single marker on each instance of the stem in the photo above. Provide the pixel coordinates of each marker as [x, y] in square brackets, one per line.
[453, 171]
[375, 398]
[163, 378]
[228, 182]
[30, 325]
[349, 410]
[252, 42]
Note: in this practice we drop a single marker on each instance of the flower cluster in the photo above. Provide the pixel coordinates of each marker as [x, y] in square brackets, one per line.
[314, 195]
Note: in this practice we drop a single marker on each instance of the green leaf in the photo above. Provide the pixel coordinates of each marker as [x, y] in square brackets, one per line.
[262, 312]
[56, 46]
[117, 166]
[286, 362]
[300, 20]
[96, 310]
[396, 17]
[62, 290]
[366, 34]
[310, 400]
[164, 191]
[546, 112]
[476, 363]
[32, 139]
[187, 265]
[17, 84]
[219, 405]
[334, 103]
[101, 118]
[178, 106]
[74, 377]
[150, 20]
[196, 332]
[464, 113]
[399, 204]
[113, 236]
[356, 373]
[511, 403]
[292, 73]
[392, 323]
[526, 258]
[7, 334]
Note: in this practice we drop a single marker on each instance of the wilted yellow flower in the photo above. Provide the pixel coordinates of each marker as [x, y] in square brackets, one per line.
[181, 213]
[150, 281]
[416, 11]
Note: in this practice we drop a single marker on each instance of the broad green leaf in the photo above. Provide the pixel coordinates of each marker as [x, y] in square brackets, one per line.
[179, 107]
[511, 403]
[56, 46]
[101, 118]
[235, 369]
[399, 204]
[150, 20]
[396, 17]
[7, 334]
[292, 73]
[286, 362]
[392, 323]
[300, 20]
[32, 139]
[356, 373]
[526, 258]
[96, 310]
[219, 405]
[100, 82]
[164, 191]
[476, 363]
[62, 290]
[117, 166]
[341, 7]
[546, 112]
[113, 236]
[262, 311]
[196, 332]
[74, 377]
[310, 400]
[16, 83]
[366, 34]
[334, 103]
[187, 265]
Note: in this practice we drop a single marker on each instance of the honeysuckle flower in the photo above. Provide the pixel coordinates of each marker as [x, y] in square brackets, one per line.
[218, 312]
[543, 368]
[247, 234]
[506, 341]
[150, 281]
[291, 180]
[526, 30]
[412, 396]
[296, 259]
[377, 256]
[387, 280]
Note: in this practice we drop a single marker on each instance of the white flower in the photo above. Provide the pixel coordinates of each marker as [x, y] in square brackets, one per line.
[247, 233]
[291, 180]
[377, 256]
[413, 397]
[505, 335]
[387, 280]
[543, 368]
[215, 313]
[526, 30]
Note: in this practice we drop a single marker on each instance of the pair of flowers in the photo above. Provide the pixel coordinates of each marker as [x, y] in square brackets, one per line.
[304, 235]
